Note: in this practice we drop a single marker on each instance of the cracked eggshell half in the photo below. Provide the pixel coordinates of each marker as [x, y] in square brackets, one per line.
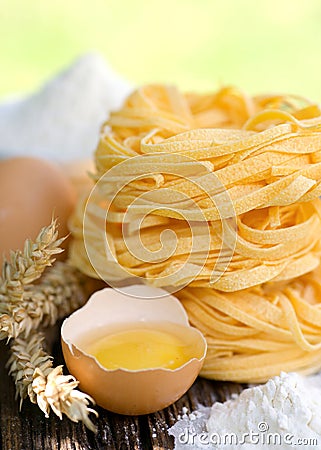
[127, 391]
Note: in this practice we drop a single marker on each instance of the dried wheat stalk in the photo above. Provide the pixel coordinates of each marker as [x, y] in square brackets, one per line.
[32, 369]
[22, 269]
[60, 291]
[25, 307]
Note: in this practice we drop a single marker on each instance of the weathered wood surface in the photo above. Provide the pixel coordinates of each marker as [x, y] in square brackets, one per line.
[30, 430]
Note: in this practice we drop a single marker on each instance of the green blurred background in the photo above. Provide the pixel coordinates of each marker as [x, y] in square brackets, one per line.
[259, 45]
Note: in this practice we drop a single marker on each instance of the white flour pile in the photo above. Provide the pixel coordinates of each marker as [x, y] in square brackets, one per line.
[284, 413]
[62, 121]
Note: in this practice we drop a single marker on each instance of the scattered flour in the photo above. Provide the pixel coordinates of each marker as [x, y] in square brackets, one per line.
[282, 414]
[61, 122]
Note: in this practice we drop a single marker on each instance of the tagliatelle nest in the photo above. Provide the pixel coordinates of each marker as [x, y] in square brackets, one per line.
[261, 183]
[216, 194]
[256, 333]
[261, 252]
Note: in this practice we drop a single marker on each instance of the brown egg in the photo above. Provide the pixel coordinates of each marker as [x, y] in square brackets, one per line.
[123, 390]
[32, 191]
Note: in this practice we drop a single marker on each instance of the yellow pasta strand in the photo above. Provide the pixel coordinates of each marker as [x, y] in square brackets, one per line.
[261, 252]
[219, 194]
[260, 331]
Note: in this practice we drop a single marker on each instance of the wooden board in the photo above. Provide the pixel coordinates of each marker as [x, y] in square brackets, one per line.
[30, 430]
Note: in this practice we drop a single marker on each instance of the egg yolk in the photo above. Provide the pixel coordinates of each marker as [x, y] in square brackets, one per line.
[140, 348]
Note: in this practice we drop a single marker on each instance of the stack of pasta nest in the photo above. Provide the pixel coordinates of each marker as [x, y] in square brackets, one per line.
[204, 166]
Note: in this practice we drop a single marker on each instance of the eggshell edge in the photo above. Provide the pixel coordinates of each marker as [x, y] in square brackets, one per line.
[147, 391]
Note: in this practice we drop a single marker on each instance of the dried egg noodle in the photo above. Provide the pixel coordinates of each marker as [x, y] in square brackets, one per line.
[250, 164]
[269, 169]
[261, 253]
[256, 333]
